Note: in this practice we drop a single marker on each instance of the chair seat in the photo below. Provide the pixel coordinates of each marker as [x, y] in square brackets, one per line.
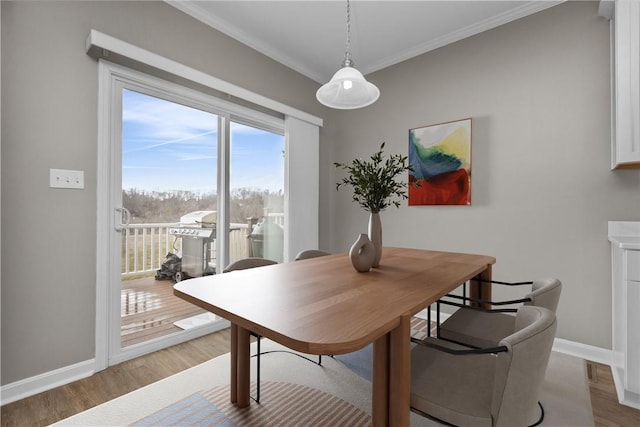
[477, 328]
[495, 386]
[453, 388]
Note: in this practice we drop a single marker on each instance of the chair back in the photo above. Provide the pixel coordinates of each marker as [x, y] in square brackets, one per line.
[545, 293]
[520, 371]
[311, 253]
[245, 263]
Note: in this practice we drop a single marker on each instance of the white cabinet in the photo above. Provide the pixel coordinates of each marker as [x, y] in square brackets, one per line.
[625, 266]
[625, 74]
[633, 266]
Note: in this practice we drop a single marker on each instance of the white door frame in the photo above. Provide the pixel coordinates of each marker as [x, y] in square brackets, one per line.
[112, 79]
[301, 189]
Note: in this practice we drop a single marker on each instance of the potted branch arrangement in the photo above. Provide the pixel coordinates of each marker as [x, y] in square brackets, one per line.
[375, 188]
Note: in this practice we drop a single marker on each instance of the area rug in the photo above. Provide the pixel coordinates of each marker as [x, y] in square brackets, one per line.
[565, 396]
[295, 403]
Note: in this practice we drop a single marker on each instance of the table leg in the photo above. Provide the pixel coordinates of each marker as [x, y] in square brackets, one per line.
[380, 382]
[391, 384]
[400, 373]
[240, 367]
[233, 379]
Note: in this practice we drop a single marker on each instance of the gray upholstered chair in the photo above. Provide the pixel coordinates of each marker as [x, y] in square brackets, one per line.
[470, 387]
[307, 254]
[244, 264]
[476, 327]
[311, 253]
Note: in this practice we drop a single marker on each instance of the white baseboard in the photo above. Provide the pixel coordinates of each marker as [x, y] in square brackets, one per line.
[43, 382]
[572, 348]
[583, 351]
[46, 381]
[31, 386]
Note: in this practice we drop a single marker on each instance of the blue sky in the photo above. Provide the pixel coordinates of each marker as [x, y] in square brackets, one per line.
[168, 146]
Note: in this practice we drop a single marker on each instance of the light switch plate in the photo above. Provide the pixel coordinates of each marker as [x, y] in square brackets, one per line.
[62, 178]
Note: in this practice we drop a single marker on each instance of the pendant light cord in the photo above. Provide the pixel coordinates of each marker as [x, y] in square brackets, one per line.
[347, 54]
[347, 89]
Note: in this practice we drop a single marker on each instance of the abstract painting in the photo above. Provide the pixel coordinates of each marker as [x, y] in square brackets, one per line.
[440, 156]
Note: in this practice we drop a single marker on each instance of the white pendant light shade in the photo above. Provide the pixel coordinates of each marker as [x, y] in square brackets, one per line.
[347, 90]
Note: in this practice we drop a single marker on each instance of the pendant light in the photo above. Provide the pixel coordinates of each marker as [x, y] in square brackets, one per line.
[347, 89]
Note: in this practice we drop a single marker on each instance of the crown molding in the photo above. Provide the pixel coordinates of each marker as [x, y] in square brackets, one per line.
[195, 11]
[526, 9]
[227, 28]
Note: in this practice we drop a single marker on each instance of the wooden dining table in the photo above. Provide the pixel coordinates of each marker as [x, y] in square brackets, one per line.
[324, 306]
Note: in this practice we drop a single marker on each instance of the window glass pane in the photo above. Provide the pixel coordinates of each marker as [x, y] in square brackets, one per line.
[169, 153]
[257, 192]
[169, 170]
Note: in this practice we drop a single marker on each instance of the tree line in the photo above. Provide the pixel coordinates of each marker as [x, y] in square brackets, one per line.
[168, 206]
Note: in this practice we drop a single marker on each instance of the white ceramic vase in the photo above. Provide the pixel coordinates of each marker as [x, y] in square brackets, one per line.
[362, 253]
[375, 235]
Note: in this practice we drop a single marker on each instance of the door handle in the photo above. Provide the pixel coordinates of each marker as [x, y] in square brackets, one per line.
[124, 218]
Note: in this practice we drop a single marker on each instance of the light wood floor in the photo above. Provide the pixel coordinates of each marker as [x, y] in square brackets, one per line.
[64, 401]
[607, 412]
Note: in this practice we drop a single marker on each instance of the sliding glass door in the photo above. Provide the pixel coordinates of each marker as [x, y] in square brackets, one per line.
[257, 192]
[169, 171]
[195, 183]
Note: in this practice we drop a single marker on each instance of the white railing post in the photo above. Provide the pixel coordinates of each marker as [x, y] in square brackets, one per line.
[142, 256]
[142, 250]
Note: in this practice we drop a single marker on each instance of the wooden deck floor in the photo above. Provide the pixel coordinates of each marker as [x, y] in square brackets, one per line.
[149, 308]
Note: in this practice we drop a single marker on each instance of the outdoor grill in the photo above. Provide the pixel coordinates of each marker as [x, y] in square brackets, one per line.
[197, 231]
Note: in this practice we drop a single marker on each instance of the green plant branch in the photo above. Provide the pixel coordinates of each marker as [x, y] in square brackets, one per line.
[374, 183]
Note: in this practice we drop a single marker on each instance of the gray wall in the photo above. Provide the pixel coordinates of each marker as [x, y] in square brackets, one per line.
[537, 90]
[542, 189]
[49, 105]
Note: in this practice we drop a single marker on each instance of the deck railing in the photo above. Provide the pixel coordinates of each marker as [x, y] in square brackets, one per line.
[145, 246]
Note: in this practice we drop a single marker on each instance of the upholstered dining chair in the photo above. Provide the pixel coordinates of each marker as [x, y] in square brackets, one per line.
[244, 264]
[497, 386]
[485, 327]
[311, 253]
[307, 254]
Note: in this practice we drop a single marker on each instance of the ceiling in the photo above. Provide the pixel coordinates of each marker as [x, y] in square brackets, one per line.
[310, 36]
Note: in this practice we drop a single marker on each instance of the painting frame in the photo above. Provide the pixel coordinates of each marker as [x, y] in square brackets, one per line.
[440, 160]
